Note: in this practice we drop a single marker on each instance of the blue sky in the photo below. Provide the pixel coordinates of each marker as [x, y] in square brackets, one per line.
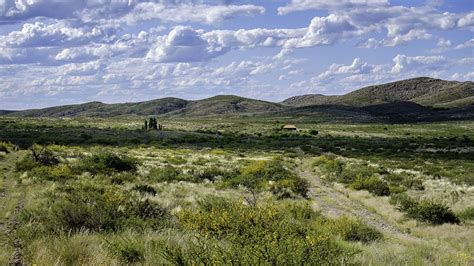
[55, 52]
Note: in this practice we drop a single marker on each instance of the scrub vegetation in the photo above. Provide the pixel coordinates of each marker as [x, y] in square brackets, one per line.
[102, 191]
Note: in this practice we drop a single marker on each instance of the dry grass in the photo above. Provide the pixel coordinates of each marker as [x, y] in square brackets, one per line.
[77, 249]
[402, 252]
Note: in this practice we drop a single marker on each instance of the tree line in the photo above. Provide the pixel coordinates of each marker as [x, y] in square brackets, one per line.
[151, 123]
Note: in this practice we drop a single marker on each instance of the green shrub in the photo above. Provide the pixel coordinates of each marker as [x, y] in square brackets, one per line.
[43, 155]
[128, 250]
[396, 189]
[164, 174]
[212, 173]
[287, 188]
[27, 163]
[121, 178]
[59, 172]
[467, 214]
[413, 183]
[435, 213]
[355, 230]
[372, 184]
[106, 162]
[5, 147]
[145, 189]
[424, 210]
[332, 167]
[403, 202]
[176, 160]
[271, 175]
[73, 208]
[266, 234]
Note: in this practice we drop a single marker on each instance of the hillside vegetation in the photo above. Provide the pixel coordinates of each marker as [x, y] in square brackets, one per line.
[108, 191]
[424, 91]
[417, 99]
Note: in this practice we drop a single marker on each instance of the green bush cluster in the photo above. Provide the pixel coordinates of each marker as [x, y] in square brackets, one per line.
[278, 234]
[212, 173]
[373, 184]
[355, 230]
[377, 180]
[78, 207]
[404, 181]
[60, 172]
[271, 175]
[332, 167]
[166, 174]
[5, 147]
[27, 163]
[467, 214]
[128, 250]
[106, 163]
[424, 210]
[145, 190]
[170, 173]
[40, 156]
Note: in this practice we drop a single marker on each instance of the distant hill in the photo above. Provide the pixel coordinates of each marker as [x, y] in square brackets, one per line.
[226, 104]
[217, 105]
[5, 112]
[406, 100]
[424, 91]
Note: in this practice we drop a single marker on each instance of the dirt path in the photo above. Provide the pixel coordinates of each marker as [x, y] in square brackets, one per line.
[9, 227]
[332, 202]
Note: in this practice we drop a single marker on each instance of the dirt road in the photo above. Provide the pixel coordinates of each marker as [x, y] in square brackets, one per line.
[332, 202]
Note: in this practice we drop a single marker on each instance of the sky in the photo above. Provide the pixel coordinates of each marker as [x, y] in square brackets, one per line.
[56, 52]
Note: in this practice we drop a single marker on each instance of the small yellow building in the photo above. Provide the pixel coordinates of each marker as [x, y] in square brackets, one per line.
[290, 127]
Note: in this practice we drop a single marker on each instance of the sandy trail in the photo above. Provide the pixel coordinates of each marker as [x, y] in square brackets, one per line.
[332, 202]
[10, 226]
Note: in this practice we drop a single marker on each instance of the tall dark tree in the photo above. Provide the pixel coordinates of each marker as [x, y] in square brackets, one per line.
[150, 123]
[146, 124]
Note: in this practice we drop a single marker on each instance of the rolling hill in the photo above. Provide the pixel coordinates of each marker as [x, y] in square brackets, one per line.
[217, 105]
[406, 99]
[424, 91]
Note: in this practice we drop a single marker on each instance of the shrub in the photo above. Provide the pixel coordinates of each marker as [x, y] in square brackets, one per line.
[176, 160]
[413, 183]
[39, 157]
[266, 234]
[288, 187]
[396, 189]
[424, 210]
[372, 184]
[164, 174]
[355, 230]
[435, 213]
[467, 214]
[332, 167]
[27, 163]
[43, 156]
[211, 173]
[5, 147]
[403, 202]
[60, 172]
[120, 178]
[128, 250]
[145, 189]
[313, 132]
[94, 208]
[272, 175]
[106, 162]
